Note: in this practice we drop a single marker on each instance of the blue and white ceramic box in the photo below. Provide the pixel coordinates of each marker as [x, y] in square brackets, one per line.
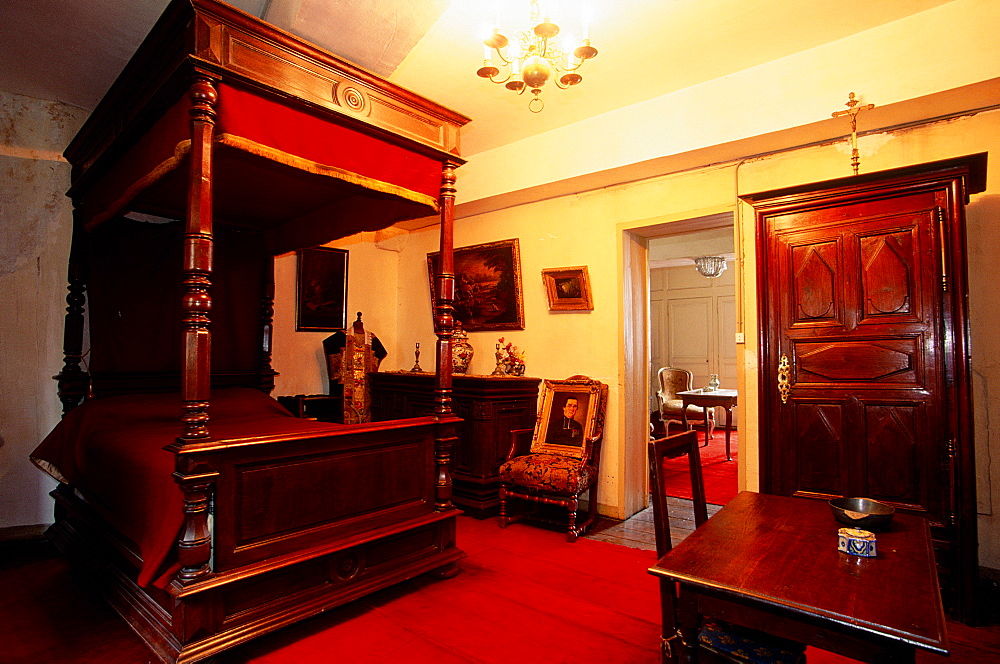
[856, 542]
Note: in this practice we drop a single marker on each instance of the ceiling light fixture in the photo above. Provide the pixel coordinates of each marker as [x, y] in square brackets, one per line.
[539, 54]
[710, 266]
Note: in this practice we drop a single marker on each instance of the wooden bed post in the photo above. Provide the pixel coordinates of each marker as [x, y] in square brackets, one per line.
[74, 382]
[265, 372]
[194, 547]
[196, 302]
[444, 326]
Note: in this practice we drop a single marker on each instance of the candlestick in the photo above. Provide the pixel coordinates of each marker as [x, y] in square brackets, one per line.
[499, 370]
[416, 363]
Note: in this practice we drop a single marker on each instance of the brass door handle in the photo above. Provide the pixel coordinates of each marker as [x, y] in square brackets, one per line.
[784, 384]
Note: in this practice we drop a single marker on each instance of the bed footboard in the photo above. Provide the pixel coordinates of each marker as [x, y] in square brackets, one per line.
[301, 525]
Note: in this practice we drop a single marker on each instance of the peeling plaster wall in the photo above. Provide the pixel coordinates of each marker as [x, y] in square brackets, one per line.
[35, 216]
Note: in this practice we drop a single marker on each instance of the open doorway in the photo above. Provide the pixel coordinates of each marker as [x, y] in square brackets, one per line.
[638, 375]
[692, 331]
[692, 316]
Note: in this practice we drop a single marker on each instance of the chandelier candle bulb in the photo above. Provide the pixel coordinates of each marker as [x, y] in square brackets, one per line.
[540, 51]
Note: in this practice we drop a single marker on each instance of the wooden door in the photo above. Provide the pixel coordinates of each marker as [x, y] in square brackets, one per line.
[855, 297]
[689, 336]
[864, 381]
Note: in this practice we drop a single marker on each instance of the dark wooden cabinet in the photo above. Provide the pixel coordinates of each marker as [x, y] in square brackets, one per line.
[321, 407]
[864, 347]
[491, 408]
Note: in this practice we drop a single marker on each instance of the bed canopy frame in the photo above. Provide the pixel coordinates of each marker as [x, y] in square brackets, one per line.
[223, 143]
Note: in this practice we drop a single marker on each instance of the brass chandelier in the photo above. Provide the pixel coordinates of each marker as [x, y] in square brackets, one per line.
[540, 54]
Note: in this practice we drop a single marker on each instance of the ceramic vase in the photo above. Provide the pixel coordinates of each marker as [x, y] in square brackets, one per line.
[461, 350]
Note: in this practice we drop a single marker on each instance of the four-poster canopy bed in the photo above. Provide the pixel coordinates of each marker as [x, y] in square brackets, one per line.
[207, 512]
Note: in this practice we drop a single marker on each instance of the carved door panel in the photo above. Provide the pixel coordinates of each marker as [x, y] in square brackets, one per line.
[855, 293]
[689, 336]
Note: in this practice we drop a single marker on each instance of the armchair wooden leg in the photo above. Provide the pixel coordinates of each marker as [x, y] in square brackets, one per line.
[572, 505]
[503, 507]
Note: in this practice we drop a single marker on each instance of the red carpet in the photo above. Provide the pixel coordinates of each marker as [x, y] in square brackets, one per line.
[719, 475]
[524, 595]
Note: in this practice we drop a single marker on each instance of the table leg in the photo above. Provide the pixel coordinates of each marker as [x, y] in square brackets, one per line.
[669, 641]
[705, 408]
[688, 623]
[729, 426]
[684, 415]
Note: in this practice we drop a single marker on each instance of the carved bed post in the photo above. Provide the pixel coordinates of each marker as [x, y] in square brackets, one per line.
[196, 301]
[74, 382]
[194, 547]
[444, 325]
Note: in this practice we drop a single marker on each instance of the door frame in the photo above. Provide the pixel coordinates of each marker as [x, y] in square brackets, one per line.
[634, 368]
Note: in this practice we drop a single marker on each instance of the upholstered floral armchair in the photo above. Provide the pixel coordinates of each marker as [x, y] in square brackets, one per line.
[563, 459]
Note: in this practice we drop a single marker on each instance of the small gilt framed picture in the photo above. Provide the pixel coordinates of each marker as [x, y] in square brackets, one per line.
[568, 288]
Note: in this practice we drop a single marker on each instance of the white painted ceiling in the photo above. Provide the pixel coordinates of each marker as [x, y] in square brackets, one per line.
[71, 50]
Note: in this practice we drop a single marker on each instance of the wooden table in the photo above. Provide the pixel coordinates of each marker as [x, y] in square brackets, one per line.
[724, 398]
[771, 563]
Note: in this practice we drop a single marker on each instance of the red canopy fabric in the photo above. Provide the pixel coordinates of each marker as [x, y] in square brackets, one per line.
[275, 166]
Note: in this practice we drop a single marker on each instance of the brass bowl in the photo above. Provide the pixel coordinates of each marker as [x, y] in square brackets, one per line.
[862, 512]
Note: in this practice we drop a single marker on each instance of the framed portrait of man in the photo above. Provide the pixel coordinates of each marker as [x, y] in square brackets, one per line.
[321, 297]
[568, 417]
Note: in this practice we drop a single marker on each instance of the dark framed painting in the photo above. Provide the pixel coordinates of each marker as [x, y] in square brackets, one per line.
[568, 288]
[568, 417]
[321, 297]
[487, 286]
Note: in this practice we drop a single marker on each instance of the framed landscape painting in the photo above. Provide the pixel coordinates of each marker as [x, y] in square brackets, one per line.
[487, 286]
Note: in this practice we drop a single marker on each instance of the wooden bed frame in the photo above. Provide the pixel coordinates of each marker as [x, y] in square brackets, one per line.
[279, 527]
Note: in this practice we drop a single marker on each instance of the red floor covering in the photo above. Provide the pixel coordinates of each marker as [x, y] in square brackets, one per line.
[524, 595]
[718, 474]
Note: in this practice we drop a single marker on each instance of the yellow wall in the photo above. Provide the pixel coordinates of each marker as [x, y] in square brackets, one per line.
[906, 68]
[587, 229]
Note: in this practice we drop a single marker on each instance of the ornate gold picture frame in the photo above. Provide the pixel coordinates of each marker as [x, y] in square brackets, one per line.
[487, 286]
[568, 288]
[569, 415]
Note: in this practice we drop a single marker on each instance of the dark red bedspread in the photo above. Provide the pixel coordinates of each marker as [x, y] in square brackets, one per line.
[111, 451]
